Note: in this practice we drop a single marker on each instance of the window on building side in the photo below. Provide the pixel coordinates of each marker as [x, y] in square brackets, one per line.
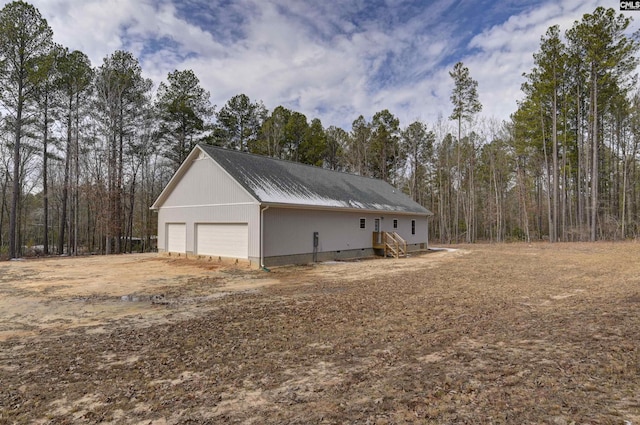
[363, 223]
[395, 224]
[413, 227]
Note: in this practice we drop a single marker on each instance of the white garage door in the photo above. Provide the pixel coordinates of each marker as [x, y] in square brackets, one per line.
[177, 237]
[224, 240]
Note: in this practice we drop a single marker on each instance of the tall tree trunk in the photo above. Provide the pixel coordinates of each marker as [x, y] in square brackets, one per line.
[565, 194]
[110, 216]
[471, 228]
[523, 200]
[132, 197]
[13, 220]
[594, 160]
[3, 204]
[65, 185]
[76, 202]
[456, 217]
[632, 212]
[548, 180]
[624, 196]
[494, 176]
[554, 124]
[415, 172]
[76, 152]
[581, 167]
[119, 183]
[45, 179]
[441, 210]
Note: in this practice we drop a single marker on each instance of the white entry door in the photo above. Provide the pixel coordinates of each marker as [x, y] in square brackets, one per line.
[177, 237]
[223, 240]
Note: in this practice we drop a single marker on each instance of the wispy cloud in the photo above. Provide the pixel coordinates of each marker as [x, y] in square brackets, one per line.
[331, 60]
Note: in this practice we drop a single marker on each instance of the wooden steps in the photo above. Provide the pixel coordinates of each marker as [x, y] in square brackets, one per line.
[391, 242]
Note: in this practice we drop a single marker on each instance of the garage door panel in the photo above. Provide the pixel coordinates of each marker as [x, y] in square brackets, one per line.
[177, 237]
[224, 240]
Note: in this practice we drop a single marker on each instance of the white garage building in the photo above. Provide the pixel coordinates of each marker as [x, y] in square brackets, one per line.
[228, 204]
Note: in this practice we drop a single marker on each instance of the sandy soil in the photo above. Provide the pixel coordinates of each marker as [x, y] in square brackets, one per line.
[65, 293]
[485, 334]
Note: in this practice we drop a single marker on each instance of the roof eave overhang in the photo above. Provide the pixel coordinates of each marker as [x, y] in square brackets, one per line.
[193, 155]
[175, 178]
[346, 209]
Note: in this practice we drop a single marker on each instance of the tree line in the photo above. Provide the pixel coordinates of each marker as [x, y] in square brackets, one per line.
[85, 150]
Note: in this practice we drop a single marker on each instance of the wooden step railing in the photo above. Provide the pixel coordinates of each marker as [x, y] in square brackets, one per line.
[401, 245]
[391, 242]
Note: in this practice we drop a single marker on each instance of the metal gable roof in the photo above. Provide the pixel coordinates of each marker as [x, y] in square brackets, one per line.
[275, 181]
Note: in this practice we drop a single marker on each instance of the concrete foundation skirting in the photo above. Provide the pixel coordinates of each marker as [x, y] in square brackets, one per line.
[321, 256]
[417, 247]
[283, 260]
[348, 254]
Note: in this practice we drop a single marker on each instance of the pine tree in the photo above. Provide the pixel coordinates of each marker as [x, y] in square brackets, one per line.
[238, 123]
[609, 58]
[183, 108]
[465, 105]
[25, 38]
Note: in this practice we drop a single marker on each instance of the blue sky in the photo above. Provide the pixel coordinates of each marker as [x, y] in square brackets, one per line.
[332, 60]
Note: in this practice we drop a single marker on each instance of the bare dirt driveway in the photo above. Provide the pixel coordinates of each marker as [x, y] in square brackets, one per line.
[510, 334]
[66, 293]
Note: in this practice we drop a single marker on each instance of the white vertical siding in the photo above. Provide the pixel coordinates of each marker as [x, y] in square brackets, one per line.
[206, 194]
[290, 231]
[206, 183]
[236, 214]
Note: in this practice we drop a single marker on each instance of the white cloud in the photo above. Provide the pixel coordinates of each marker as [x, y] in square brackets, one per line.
[505, 51]
[320, 59]
[90, 26]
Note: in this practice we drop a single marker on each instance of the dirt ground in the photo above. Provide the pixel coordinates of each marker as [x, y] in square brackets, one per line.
[485, 334]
